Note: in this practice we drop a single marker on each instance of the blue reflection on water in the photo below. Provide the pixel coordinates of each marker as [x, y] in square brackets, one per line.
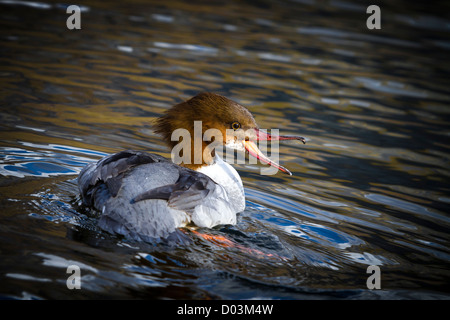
[43, 161]
[39, 169]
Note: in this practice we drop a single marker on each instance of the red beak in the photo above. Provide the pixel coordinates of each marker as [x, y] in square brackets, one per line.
[266, 136]
[252, 149]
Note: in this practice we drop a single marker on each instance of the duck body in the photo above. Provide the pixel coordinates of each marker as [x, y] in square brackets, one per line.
[144, 196]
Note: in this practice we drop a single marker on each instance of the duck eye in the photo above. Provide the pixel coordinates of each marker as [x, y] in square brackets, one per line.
[235, 125]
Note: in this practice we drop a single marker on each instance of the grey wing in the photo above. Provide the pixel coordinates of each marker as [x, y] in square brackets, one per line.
[185, 194]
[142, 195]
[99, 181]
[150, 204]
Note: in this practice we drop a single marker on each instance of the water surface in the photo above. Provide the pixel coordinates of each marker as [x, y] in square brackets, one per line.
[370, 187]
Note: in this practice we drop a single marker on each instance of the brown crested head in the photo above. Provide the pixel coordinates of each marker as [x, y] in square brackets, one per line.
[210, 119]
[213, 110]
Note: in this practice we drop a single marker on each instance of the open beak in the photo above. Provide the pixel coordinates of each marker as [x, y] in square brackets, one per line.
[265, 136]
[253, 150]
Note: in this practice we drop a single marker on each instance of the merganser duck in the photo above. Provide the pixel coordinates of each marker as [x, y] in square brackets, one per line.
[144, 196]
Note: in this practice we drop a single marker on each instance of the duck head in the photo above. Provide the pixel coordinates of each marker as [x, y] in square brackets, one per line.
[209, 120]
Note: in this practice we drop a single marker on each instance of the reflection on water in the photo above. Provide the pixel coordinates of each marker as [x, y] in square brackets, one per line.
[369, 188]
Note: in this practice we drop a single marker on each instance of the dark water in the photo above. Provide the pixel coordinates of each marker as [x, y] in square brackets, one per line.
[370, 187]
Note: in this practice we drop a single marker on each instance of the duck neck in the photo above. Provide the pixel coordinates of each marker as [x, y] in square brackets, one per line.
[195, 162]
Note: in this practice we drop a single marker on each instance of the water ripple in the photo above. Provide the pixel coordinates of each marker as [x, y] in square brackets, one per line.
[370, 187]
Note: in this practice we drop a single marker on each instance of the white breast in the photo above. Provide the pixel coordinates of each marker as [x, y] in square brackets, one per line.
[227, 177]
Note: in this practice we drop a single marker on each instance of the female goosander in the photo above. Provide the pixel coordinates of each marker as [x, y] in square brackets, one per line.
[144, 196]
